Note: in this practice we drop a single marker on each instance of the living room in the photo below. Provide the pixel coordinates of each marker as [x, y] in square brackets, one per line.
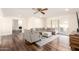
[27, 29]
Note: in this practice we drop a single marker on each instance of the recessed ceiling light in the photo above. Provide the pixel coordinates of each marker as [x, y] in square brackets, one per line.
[66, 9]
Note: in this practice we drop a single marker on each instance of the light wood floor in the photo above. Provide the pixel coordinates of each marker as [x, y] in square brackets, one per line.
[17, 43]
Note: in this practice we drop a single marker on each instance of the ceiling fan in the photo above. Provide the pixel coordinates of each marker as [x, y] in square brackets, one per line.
[41, 10]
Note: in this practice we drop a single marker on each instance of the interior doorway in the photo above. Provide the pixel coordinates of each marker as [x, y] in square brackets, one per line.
[17, 25]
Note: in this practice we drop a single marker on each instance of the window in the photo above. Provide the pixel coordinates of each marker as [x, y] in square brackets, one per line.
[60, 25]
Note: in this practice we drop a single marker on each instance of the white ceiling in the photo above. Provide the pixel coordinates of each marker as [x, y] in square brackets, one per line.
[28, 12]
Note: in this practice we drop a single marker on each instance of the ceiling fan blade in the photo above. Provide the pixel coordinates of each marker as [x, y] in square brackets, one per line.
[42, 12]
[35, 9]
[36, 12]
[44, 9]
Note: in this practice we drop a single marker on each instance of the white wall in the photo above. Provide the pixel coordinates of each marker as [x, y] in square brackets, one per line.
[1, 14]
[33, 22]
[73, 25]
[5, 26]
